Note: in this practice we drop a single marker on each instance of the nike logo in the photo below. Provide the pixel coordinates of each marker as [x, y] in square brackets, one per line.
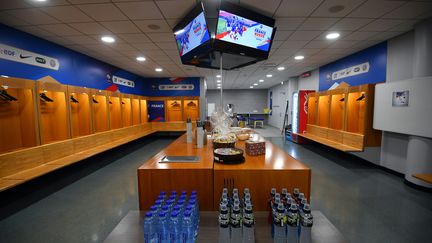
[23, 57]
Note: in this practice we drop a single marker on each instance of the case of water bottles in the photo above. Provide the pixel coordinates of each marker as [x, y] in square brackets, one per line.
[290, 217]
[236, 218]
[172, 218]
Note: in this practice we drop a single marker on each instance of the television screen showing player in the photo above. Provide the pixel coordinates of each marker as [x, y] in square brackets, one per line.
[192, 35]
[238, 30]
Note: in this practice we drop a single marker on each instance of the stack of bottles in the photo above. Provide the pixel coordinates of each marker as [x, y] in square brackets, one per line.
[236, 218]
[290, 217]
[174, 218]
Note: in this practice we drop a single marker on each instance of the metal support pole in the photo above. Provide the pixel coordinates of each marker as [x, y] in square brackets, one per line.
[221, 95]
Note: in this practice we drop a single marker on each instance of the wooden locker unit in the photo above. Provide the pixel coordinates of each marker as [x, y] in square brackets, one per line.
[349, 126]
[115, 114]
[53, 112]
[126, 108]
[18, 118]
[174, 110]
[337, 109]
[143, 110]
[312, 109]
[191, 109]
[323, 110]
[80, 111]
[136, 114]
[99, 100]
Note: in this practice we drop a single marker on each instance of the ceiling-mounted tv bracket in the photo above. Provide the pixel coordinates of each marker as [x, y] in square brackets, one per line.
[243, 36]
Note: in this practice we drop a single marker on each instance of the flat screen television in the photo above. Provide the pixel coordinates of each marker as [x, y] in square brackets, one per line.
[192, 34]
[243, 31]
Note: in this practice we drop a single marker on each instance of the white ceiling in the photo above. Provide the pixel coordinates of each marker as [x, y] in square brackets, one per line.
[302, 26]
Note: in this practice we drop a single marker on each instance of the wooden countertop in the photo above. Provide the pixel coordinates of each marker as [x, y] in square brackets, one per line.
[181, 148]
[274, 158]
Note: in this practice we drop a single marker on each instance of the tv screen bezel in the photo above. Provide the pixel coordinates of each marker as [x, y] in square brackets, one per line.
[200, 49]
[234, 48]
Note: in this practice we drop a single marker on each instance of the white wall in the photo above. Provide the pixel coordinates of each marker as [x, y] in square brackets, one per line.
[281, 93]
[309, 83]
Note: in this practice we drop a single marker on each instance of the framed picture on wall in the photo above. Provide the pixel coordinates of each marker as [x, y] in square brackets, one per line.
[400, 98]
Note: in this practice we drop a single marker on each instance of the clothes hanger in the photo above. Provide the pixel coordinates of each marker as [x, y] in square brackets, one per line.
[361, 97]
[73, 99]
[45, 98]
[6, 97]
[95, 101]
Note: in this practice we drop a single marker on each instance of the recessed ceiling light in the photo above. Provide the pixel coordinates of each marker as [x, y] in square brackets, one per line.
[332, 36]
[141, 59]
[269, 75]
[281, 68]
[219, 87]
[218, 81]
[255, 84]
[4, 76]
[299, 57]
[153, 26]
[261, 80]
[282, 82]
[40, 0]
[219, 84]
[218, 76]
[251, 87]
[158, 69]
[108, 39]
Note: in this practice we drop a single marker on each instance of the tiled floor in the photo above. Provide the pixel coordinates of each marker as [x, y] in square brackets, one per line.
[85, 202]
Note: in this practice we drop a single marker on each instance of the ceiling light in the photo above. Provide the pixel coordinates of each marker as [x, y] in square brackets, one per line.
[269, 75]
[40, 0]
[251, 87]
[261, 80]
[281, 68]
[332, 36]
[4, 76]
[255, 84]
[299, 57]
[158, 69]
[219, 87]
[218, 76]
[219, 84]
[218, 81]
[108, 39]
[178, 32]
[282, 82]
[141, 59]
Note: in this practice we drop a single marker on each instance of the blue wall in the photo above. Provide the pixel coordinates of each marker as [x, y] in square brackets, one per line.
[376, 56]
[80, 70]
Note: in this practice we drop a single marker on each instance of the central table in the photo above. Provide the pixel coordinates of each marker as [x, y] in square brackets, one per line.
[259, 173]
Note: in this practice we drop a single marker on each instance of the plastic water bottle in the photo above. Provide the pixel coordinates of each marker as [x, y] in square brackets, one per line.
[296, 193]
[163, 228]
[235, 191]
[246, 191]
[293, 224]
[187, 229]
[149, 230]
[248, 225]
[279, 222]
[236, 224]
[175, 228]
[300, 197]
[224, 224]
[306, 222]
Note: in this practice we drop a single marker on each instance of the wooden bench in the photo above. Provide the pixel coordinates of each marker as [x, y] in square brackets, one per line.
[340, 140]
[23, 165]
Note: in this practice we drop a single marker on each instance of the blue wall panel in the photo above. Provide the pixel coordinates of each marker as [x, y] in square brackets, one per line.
[375, 56]
[80, 70]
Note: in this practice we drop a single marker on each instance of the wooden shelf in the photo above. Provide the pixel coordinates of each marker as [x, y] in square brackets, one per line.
[323, 110]
[126, 107]
[312, 109]
[174, 111]
[100, 111]
[136, 114]
[337, 111]
[191, 109]
[143, 110]
[424, 177]
[115, 114]
[335, 145]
